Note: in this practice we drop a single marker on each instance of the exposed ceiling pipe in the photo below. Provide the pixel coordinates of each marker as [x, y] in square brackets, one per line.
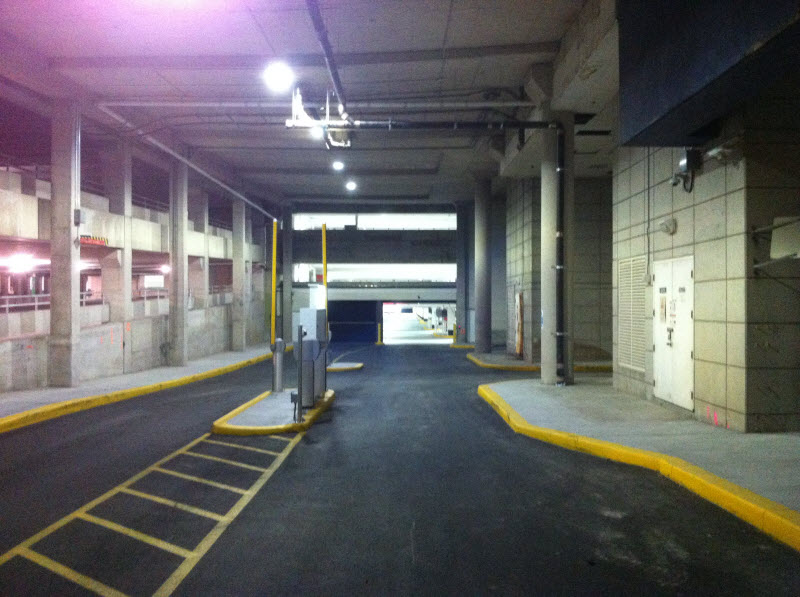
[410, 106]
[168, 150]
[322, 35]
[388, 125]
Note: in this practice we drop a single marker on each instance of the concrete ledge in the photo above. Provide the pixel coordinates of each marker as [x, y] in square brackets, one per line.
[471, 356]
[59, 409]
[222, 427]
[338, 367]
[776, 520]
[583, 368]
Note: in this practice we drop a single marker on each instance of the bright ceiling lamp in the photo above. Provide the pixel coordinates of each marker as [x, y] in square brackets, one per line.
[21, 263]
[165, 269]
[338, 165]
[278, 77]
[351, 185]
[317, 132]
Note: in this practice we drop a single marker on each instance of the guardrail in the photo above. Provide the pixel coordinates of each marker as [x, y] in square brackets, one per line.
[151, 293]
[36, 302]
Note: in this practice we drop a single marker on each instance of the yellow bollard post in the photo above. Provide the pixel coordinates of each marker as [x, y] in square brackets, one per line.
[380, 336]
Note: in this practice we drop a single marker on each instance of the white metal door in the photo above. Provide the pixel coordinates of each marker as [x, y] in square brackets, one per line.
[673, 331]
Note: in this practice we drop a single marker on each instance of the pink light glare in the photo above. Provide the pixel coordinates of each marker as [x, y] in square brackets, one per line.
[21, 263]
[165, 269]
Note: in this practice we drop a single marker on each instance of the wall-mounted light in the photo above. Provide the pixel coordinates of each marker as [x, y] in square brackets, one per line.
[338, 165]
[278, 77]
[165, 269]
[317, 132]
[22, 263]
[351, 185]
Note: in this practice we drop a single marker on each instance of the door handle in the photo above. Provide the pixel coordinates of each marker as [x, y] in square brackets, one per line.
[669, 336]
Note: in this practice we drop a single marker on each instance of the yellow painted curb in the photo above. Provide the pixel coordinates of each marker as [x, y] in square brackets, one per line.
[471, 356]
[337, 368]
[772, 518]
[435, 335]
[465, 346]
[222, 427]
[59, 409]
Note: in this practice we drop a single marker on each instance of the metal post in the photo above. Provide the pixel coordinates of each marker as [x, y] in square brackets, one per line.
[298, 353]
[274, 277]
[277, 365]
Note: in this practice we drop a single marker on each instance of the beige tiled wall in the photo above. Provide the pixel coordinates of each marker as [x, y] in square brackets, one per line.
[711, 227]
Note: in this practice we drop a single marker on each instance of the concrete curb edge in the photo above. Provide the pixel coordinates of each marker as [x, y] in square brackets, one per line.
[579, 368]
[66, 407]
[772, 518]
[337, 369]
[221, 426]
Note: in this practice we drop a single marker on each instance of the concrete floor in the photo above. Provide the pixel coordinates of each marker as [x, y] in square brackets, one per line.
[411, 484]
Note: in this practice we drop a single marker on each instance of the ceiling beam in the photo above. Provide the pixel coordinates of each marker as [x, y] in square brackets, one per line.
[538, 52]
[327, 171]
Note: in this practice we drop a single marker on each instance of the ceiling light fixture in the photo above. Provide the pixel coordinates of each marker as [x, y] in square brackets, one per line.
[351, 185]
[278, 77]
[338, 166]
[317, 132]
[165, 269]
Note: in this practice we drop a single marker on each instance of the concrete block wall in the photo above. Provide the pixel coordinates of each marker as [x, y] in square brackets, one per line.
[23, 363]
[209, 331]
[592, 275]
[100, 352]
[771, 328]
[149, 338]
[523, 249]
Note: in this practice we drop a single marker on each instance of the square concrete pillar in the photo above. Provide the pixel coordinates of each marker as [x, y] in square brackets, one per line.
[241, 284]
[463, 269]
[179, 263]
[198, 265]
[65, 322]
[287, 269]
[483, 273]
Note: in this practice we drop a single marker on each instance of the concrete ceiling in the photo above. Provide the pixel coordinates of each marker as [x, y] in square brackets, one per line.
[190, 51]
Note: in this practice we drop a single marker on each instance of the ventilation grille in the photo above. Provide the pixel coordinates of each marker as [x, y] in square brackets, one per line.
[632, 310]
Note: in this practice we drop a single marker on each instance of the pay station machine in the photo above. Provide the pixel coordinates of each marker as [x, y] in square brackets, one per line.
[311, 353]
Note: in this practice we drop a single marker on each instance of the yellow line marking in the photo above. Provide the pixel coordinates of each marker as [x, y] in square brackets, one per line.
[70, 574]
[280, 437]
[342, 368]
[251, 467]
[236, 411]
[464, 346]
[186, 567]
[134, 534]
[59, 409]
[231, 445]
[173, 504]
[167, 471]
[86, 507]
[770, 517]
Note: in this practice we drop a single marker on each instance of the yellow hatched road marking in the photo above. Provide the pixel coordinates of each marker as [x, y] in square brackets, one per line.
[86, 507]
[189, 563]
[166, 471]
[134, 534]
[251, 467]
[172, 503]
[230, 445]
[69, 573]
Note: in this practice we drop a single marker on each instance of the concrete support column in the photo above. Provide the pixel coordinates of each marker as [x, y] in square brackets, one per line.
[179, 262]
[241, 285]
[557, 237]
[65, 255]
[198, 265]
[287, 268]
[483, 264]
[463, 269]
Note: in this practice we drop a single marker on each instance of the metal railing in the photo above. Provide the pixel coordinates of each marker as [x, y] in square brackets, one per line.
[36, 302]
[151, 293]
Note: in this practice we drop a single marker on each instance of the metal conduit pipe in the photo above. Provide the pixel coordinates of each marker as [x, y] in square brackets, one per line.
[168, 150]
[561, 356]
[322, 36]
[489, 125]
[409, 106]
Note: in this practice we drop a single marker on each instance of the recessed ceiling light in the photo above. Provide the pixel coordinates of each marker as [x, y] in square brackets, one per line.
[165, 269]
[278, 77]
[338, 166]
[317, 132]
[351, 185]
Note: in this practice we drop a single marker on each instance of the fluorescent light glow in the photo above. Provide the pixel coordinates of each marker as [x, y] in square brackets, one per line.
[317, 132]
[338, 166]
[378, 272]
[21, 263]
[165, 269]
[278, 77]
[351, 185]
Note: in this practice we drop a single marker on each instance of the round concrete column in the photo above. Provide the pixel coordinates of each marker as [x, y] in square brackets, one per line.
[483, 276]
